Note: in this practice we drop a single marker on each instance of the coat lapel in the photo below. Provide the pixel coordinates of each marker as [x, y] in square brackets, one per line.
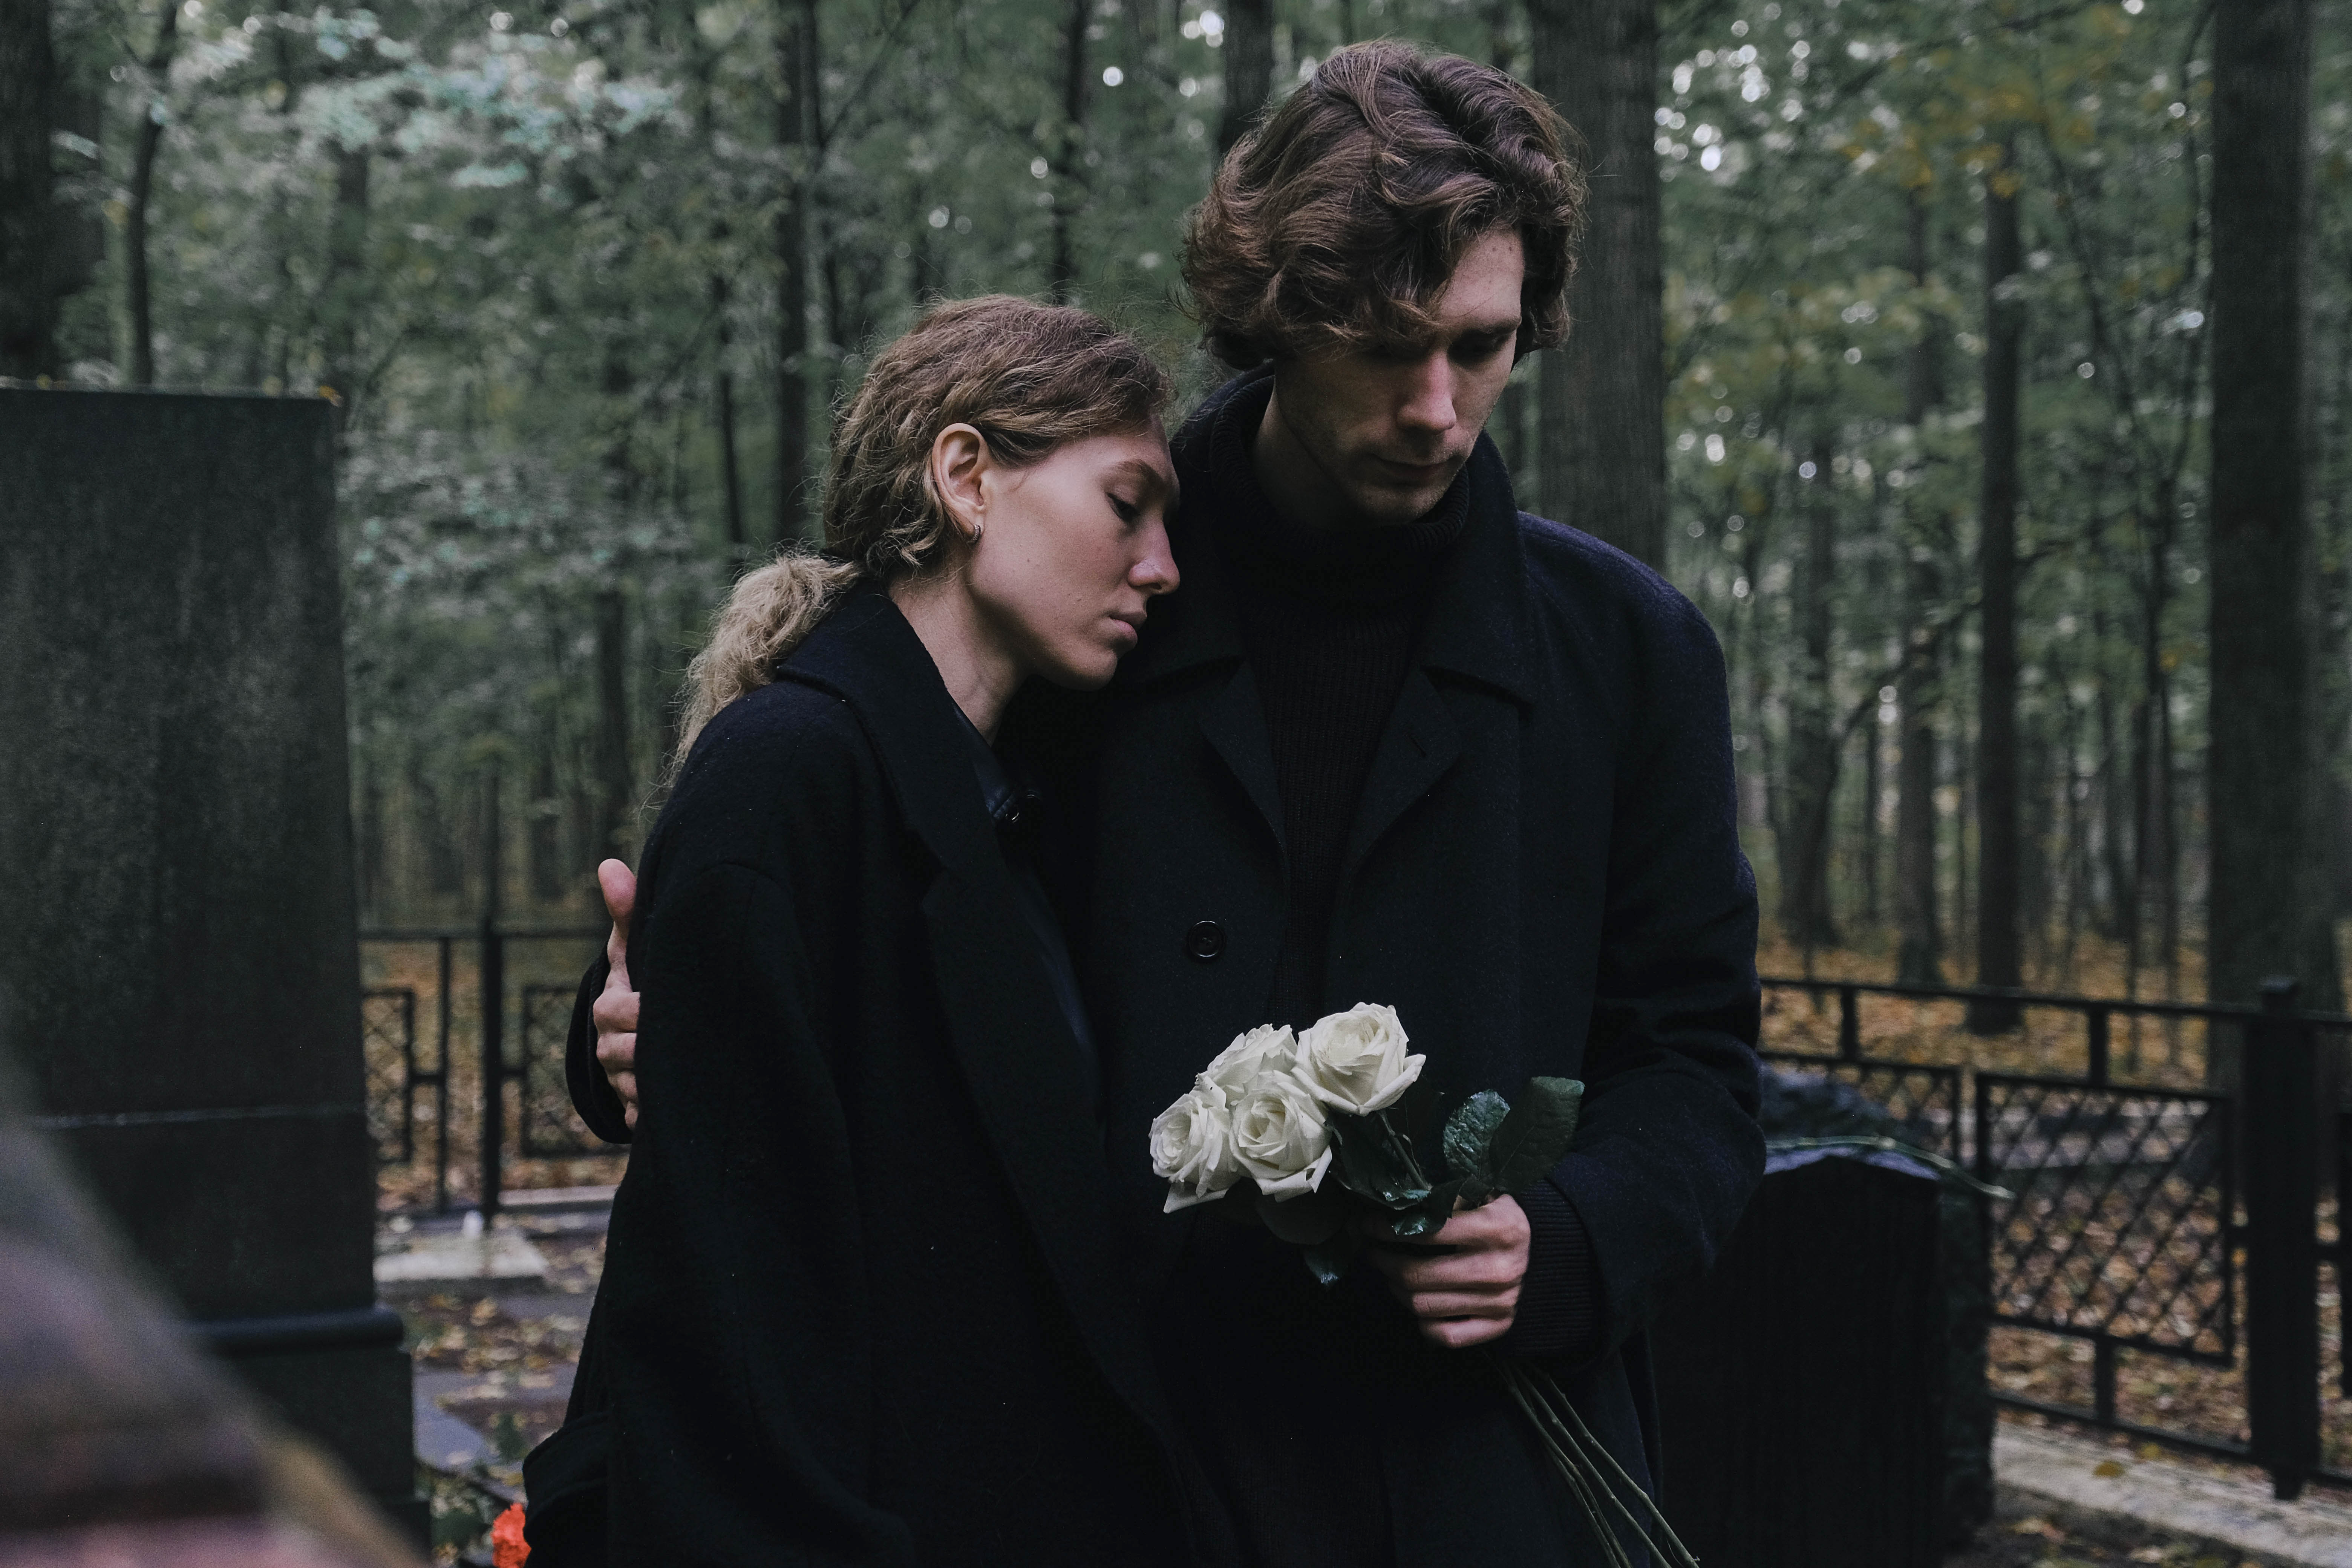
[1002, 1017]
[1005, 1027]
[1476, 628]
[1235, 726]
[1419, 744]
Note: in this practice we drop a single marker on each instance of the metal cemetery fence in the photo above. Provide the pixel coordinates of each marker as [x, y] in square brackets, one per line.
[412, 1080]
[2131, 1202]
[2155, 1219]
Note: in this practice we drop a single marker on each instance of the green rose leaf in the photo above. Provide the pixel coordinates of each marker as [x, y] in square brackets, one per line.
[1375, 1163]
[1428, 1217]
[1470, 1142]
[1537, 1133]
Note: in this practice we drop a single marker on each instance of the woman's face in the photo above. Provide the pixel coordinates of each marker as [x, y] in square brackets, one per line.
[1072, 551]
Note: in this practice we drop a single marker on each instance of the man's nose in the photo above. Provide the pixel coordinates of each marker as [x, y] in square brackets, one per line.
[1428, 396]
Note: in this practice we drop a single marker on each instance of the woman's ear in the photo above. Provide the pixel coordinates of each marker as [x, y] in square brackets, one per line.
[960, 463]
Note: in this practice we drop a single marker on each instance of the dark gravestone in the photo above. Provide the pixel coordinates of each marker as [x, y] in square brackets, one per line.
[180, 972]
[1801, 1389]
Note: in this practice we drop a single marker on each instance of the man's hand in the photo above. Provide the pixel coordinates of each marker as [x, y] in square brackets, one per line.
[1469, 1295]
[616, 1011]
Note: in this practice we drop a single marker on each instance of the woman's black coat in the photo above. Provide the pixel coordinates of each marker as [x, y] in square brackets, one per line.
[860, 1304]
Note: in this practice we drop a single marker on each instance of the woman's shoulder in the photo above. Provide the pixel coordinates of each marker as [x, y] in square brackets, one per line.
[787, 752]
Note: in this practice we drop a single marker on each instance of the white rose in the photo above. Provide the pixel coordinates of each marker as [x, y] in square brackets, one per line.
[1280, 1136]
[1193, 1148]
[1269, 1047]
[1354, 1061]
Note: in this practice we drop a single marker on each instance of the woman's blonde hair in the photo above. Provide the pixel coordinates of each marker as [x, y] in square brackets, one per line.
[1030, 378]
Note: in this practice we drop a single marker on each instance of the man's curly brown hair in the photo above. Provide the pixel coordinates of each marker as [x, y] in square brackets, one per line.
[1337, 222]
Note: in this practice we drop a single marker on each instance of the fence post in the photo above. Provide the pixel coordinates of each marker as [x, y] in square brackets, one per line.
[494, 1011]
[2282, 1242]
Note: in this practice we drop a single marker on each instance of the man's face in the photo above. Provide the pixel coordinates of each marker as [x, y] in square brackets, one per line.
[1376, 434]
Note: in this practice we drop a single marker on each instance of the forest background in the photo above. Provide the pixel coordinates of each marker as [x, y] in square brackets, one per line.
[1898, 352]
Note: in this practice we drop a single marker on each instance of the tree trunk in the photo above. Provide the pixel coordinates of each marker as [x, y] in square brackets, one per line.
[2118, 785]
[730, 471]
[346, 278]
[2152, 764]
[1249, 67]
[1919, 943]
[616, 780]
[1866, 829]
[620, 457]
[150, 143]
[367, 838]
[1601, 457]
[1998, 849]
[1813, 758]
[1069, 169]
[1920, 947]
[795, 61]
[29, 300]
[2264, 917]
[543, 843]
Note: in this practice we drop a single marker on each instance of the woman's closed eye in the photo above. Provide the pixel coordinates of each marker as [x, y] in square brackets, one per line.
[1131, 512]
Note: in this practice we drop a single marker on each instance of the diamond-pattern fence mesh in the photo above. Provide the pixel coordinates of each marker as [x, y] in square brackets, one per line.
[2119, 1226]
[388, 1038]
[549, 1129]
[1925, 1101]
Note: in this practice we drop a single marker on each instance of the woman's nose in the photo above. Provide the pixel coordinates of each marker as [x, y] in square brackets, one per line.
[1156, 571]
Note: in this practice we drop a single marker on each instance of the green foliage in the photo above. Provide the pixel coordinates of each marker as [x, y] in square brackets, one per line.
[532, 251]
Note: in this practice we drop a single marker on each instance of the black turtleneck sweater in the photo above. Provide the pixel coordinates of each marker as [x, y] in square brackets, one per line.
[1330, 626]
[1329, 618]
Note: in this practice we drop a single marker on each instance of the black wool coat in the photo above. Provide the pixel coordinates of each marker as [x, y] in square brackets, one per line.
[860, 1303]
[1543, 877]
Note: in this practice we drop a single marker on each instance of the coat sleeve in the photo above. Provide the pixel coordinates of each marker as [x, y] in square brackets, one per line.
[736, 1296]
[584, 1075]
[1669, 1150]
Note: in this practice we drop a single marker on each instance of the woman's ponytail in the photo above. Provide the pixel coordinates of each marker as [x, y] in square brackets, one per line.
[768, 614]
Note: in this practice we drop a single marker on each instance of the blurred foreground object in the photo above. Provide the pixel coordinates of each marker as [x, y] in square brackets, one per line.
[182, 972]
[118, 1444]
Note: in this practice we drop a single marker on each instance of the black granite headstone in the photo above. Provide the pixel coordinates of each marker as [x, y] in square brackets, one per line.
[179, 963]
[1801, 1389]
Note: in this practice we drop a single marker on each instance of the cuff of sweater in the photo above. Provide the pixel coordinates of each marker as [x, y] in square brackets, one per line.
[1559, 1302]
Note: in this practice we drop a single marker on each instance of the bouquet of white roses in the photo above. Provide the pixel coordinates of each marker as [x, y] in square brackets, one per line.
[1318, 1129]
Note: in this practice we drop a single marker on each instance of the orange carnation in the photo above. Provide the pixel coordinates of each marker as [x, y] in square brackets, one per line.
[507, 1548]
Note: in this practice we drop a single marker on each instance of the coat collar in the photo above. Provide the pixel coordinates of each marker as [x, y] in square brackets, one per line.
[866, 654]
[1478, 624]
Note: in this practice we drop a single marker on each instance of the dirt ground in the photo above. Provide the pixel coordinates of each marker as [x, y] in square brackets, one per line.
[2022, 1535]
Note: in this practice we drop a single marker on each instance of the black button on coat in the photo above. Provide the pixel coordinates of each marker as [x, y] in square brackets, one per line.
[860, 1303]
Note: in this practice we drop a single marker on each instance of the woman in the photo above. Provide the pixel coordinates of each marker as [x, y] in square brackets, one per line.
[859, 1302]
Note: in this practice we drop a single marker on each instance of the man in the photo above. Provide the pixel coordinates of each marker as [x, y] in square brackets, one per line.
[1397, 742]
